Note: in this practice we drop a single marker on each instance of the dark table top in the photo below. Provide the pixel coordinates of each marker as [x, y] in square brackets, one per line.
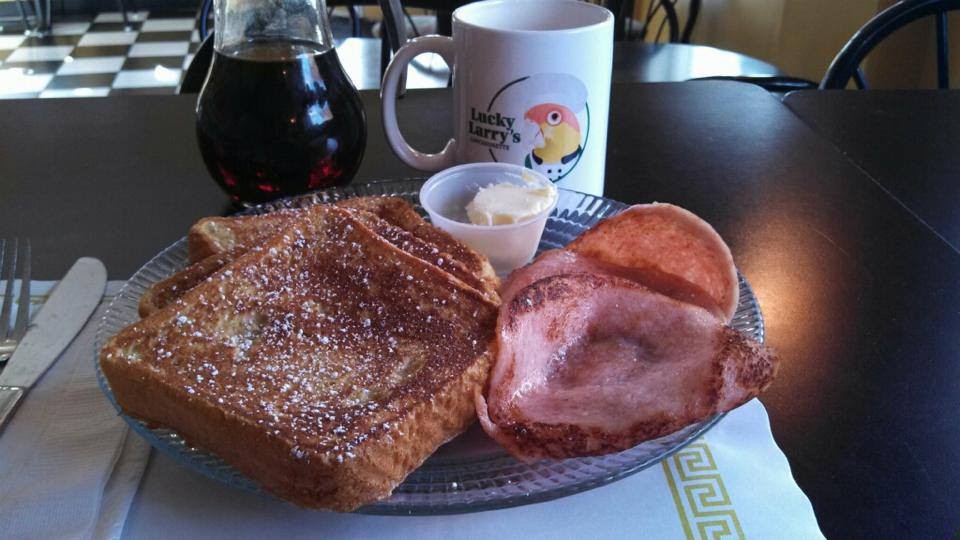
[905, 140]
[637, 61]
[860, 298]
[633, 61]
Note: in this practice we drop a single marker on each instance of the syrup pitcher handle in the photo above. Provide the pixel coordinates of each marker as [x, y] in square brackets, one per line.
[443, 46]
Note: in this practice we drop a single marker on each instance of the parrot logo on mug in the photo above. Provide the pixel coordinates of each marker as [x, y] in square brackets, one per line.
[541, 122]
[556, 144]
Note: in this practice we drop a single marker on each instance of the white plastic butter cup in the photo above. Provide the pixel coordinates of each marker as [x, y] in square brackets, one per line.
[446, 195]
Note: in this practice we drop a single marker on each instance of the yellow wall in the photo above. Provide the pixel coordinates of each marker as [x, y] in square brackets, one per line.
[813, 31]
[748, 26]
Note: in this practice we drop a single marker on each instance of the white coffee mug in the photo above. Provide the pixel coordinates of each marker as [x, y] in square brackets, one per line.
[531, 86]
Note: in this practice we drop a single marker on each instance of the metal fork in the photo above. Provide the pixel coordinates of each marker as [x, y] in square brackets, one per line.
[9, 338]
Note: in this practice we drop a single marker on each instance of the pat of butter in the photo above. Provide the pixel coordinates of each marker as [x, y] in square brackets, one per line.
[506, 203]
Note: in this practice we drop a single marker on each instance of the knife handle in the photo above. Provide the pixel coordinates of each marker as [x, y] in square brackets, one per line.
[10, 398]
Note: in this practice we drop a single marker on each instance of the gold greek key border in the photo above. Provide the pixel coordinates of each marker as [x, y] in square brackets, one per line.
[35, 299]
[39, 299]
[700, 496]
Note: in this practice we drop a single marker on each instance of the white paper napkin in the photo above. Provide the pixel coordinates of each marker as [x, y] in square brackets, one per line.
[732, 483]
[69, 466]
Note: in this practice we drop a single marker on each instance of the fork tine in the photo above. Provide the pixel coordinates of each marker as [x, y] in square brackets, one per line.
[8, 292]
[23, 310]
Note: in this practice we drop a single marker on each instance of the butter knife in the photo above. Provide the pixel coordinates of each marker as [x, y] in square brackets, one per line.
[61, 317]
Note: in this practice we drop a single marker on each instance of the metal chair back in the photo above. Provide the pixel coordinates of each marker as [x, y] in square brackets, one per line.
[664, 11]
[846, 65]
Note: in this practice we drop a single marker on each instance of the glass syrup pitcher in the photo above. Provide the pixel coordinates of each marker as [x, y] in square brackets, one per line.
[277, 114]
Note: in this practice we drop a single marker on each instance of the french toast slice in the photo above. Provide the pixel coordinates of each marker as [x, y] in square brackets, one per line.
[400, 213]
[225, 239]
[218, 234]
[325, 366]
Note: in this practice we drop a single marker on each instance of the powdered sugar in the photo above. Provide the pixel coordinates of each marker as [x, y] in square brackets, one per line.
[325, 336]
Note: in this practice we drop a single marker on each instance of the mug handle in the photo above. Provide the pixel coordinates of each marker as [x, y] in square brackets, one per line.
[441, 45]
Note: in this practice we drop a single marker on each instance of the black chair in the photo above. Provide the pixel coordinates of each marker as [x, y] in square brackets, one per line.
[846, 65]
[394, 32]
[203, 16]
[396, 19]
[24, 17]
[623, 20]
[125, 7]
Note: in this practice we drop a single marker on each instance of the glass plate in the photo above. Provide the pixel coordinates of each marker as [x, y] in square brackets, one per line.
[470, 473]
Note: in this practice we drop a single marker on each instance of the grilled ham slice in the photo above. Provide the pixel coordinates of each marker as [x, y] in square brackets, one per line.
[590, 364]
[560, 261]
[670, 240]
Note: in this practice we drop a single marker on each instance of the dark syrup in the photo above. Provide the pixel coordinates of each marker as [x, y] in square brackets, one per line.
[279, 118]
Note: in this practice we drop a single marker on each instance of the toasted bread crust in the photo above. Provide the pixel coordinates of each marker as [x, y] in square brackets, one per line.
[379, 466]
[289, 445]
[209, 235]
[427, 252]
[164, 292]
[215, 235]
[391, 217]
[399, 212]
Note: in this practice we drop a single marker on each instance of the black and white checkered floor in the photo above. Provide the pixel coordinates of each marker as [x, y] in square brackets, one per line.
[99, 58]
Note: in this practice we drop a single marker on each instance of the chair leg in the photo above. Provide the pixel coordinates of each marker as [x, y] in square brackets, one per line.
[384, 61]
[23, 15]
[619, 26]
[444, 22]
[126, 18]
[38, 29]
[692, 12]
[384, 55]
[943, 52]
[204, 16]
[354, 20]
[860, 79]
